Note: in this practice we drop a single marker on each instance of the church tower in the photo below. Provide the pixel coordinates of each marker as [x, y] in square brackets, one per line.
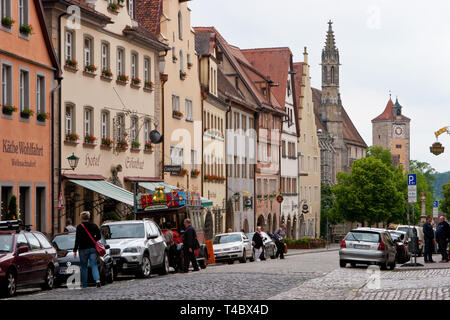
[330, 109]
[391, 130]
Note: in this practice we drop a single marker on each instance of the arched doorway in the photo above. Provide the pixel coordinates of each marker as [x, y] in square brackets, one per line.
[274, 225]
[209, 226]
[288, 228]
[246, 227]
[269, 221]
[261, 222]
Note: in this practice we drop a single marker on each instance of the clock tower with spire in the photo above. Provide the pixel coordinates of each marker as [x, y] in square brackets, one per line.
[391, 130]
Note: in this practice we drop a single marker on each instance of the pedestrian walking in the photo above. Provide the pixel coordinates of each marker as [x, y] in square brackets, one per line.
[69, 227]
[258, 243]
[280, 235]
[190, 244]
[428, 233]
[174, 255]
[88, 254]
[442, 236]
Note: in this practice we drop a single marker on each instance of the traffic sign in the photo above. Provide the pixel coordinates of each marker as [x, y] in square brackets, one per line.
[60, 202]
[435, 209]
[412, 188]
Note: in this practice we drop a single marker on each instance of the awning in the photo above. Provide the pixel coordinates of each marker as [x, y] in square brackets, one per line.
[107, 189]
[151, 186]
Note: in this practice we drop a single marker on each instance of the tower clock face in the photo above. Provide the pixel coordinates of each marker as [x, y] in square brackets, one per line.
[398, 131]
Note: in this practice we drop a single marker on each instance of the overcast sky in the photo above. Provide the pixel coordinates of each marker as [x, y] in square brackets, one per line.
[399, 46]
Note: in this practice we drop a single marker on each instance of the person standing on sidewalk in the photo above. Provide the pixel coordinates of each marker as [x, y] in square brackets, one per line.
[280, 235]
[258, 243]
[428, 233]
[442, 236]
[69, 227]
[88, 253]
[190, 244]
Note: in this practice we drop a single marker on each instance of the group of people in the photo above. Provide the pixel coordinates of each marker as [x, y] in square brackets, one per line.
[442, 238]
[278, 237]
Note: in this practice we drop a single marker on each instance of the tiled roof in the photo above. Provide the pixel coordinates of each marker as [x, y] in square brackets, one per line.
[148, 14]
[388, 113]
[144, 34]
[274, 62]
[351, 134]
[83, 5]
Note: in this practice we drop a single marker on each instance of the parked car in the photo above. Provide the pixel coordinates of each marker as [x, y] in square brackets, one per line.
[232, 246]
[136, 247]
[368, 246]
[269, 249]
[401, 242]
[64, 244]
[410, 230]
[27, 259]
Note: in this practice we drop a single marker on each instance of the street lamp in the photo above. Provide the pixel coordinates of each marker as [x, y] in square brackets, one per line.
[73, 161]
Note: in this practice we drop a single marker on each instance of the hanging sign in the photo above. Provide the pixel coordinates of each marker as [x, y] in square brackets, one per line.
[60, 201]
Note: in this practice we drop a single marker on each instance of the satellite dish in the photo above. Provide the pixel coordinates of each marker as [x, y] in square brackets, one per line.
[155, 137]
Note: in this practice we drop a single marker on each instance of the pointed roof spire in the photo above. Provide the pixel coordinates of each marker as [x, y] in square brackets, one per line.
[330, 44]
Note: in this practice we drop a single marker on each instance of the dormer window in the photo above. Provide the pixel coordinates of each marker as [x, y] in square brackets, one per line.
[131, 8]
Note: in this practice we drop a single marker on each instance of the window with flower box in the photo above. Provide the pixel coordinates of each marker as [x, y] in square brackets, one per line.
[147, 77]
[88, 122]
[40, 94]
[87, 51]
[23, 14]
[6, 85]
[69, 119]
[105, 124]
[24, 90]
[105, 56]
[5, 13]
[134, 130]
[69, 45]
[120, 62]
[134, 66]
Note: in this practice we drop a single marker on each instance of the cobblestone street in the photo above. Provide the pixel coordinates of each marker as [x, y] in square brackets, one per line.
[314, 276]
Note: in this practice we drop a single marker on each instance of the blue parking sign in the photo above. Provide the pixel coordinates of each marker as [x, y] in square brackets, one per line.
[412, 179]
[435, 204]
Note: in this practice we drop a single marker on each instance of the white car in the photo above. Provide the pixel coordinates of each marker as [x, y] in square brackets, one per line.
[409, 231]
[232, 246]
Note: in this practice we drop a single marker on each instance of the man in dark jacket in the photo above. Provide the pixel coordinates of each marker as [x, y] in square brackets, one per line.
[442, 236]
[190, 244]
[258, 243]
[428, 234]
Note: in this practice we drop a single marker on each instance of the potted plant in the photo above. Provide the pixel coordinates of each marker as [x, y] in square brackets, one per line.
[183, 75]
[195, 173]
[177, 114]
[122, 145]
[135, 81]
[89, 139]
[114, 7]
[71, 64]
[90, 68]
[148, 147]
[148, 85]
[8, 110]
[26, 113]
[26, 29]
[42, 116]
[106, 142]
[7, 22]
[189, 65]
[122, 79]
[106, 74]
[174, 58]
[135, 145]
[72, 137]
[183, 172]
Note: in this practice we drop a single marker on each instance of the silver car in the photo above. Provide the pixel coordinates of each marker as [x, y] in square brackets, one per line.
[368, 246]
[232, 246]
[137, 247]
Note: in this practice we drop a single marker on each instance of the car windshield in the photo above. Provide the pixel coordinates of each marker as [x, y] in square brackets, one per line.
[226, 238]
[6, 243]
[125, 231]
[408, 230]
[64, 242]
[363, 236]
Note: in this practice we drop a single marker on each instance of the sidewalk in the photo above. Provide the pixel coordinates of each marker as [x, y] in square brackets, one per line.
[426, 266]
[331, 247]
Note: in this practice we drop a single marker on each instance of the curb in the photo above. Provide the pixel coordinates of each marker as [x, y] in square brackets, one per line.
[306, 251]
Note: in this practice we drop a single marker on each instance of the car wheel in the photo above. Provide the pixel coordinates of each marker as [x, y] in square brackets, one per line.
[342, 263]
[244, 257]
[252, 258]
[383, 266]
[202, 264]
[10, 284]
[392, 265]
[110, 277]
[146, 268]
[231, 261]
[49, 280]
[165, 266]
[103, 275]
[353, 265]
[274, 253]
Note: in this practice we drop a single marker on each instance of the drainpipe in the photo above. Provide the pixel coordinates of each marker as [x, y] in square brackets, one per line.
[52, 152]
[226, 164]
[60, 34]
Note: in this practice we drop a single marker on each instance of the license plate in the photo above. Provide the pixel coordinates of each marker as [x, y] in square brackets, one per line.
[360, 246]
[66, 271]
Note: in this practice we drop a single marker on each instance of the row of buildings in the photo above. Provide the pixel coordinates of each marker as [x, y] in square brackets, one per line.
[130, 88]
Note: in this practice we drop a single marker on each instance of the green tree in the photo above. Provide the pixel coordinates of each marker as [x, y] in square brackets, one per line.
[369, 193]
[327, 208]
[445, 204]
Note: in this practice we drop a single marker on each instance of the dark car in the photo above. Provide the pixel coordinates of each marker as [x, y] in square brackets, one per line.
[27, 259]
[401, 243]
[64, 244]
